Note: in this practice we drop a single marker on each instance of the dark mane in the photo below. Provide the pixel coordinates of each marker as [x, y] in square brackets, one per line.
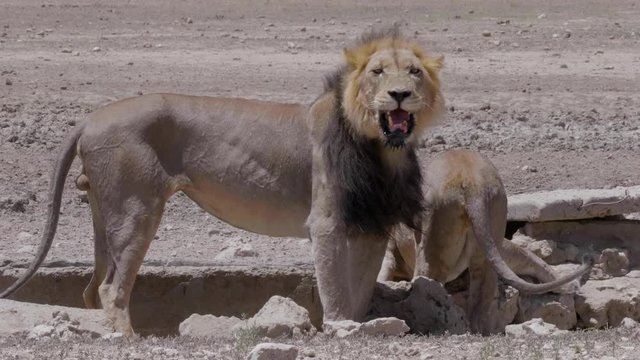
[371, 198]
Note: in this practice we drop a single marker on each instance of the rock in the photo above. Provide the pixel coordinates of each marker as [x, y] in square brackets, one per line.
[279, 317]
[601, 303]
[112, 336]
[341, 328]
[593, 236]
[235, 251]
[96, 49]
[388, 326]
[273, 351]
[486, 33]
[27, 249]
[533, 327]
[19, 317]
[573, 204]
[209, 326]
[556, 309]
[24, 236]
[40, 331]
[423, 304]
[614, 262]
[629, 323]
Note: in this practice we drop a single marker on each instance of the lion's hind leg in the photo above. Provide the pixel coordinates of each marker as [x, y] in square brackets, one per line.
[101, 256]
[128, 190]
[128, 238]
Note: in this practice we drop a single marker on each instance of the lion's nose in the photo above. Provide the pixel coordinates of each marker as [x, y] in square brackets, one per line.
[399, 95]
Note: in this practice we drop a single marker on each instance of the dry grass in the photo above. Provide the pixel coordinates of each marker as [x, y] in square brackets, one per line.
[614, 343]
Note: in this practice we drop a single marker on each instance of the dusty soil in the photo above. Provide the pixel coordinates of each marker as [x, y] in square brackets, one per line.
[552, 95]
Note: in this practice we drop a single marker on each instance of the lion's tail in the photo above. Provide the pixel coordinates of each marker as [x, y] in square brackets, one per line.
[479, 217]
[53, 209]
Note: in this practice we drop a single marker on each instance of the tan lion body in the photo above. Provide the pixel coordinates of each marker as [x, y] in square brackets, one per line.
[247, 162]
[464, 229]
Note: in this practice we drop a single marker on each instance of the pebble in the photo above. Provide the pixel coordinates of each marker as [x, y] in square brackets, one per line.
[66, 51]
[96, 49]
[563, 66]
[8, 82]
[24, 236]
[486, 33]
[542, 16]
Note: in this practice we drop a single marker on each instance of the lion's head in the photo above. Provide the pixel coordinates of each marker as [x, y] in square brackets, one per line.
[391, 88]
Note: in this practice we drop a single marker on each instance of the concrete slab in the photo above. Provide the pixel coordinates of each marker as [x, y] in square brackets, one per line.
[573, 204]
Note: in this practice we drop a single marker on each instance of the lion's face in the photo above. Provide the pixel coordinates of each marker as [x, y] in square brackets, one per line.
[392, 91]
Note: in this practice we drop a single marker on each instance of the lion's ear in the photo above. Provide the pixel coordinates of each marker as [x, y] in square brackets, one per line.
[355, 58]
[434, 63]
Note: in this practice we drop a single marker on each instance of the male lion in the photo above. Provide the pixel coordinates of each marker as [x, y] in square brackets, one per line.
[366, 177]
[463, 228]
[249, 163]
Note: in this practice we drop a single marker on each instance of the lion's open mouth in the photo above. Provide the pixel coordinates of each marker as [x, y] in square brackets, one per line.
[396, 125]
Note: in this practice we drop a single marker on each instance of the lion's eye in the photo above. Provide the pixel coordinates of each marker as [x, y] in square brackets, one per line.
[414, 71]
[377, 71]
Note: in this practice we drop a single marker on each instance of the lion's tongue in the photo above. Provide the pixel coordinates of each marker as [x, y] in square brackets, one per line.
[398, 120]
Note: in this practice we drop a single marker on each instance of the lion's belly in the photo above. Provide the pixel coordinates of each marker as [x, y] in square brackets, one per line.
[255, 210]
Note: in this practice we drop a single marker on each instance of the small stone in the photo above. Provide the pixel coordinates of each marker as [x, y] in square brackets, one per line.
[608, 68]
[555, 36]
[40, 331]
[28, 249]
[629, 323]
[112, 336]
[66, 51]
[96, 49]
[24, 236]
[273, 351]
[485, 107]
[486, 33]
[8, 82]
[533, 327]
[189, 20]
[309, 353]
[542, 16]
[563, 66]
[389, 326]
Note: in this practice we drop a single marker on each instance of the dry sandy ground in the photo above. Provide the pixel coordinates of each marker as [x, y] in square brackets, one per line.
[552, 95]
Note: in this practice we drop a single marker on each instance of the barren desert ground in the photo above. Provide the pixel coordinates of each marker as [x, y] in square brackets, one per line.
[548, 90]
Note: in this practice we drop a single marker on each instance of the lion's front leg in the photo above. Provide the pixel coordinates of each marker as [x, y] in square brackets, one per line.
[346, 269]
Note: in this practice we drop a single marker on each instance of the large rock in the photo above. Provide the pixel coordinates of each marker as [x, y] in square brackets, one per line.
[341, 328]
[556, 309]
[209, 326]
[591, 235]
[280, 316]
[424, 304]
[573, 204]
[388, 326]
[601, 303]
[273, 351]
[533, 327]
[20, 317]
